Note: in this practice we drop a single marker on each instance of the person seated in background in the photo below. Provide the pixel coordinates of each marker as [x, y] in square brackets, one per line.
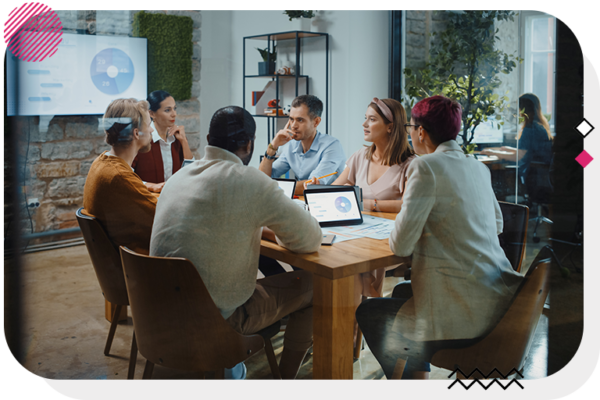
[113, 193]
[534, 139]
[311, 154]
[448, 227]
[169, 143]
[217, 205]
[380, 171]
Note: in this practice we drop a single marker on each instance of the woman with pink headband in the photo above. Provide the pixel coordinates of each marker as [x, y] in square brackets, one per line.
[380, 171]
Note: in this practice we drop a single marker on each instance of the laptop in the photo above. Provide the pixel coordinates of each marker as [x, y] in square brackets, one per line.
[337, 206]
[287, 185]
[356, 188]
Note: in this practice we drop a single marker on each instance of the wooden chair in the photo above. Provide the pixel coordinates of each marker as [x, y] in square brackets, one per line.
[107, 264]
[507, 345]
[178, 324]
[513, 238]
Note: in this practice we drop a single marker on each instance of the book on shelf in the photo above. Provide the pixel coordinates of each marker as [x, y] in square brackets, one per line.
[256, 96]
[273, 111]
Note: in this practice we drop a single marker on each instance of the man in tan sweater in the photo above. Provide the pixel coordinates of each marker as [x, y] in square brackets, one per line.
[213, 211]
[113, 193]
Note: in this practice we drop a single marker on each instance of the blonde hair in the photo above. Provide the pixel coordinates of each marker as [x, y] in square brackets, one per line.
[136, 110]
[398, 149]
[529, 103]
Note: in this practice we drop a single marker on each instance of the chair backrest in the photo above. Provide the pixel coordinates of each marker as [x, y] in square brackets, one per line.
[176, 322]
[514, 234]
[105, 259]
[507, 345]
[538, 183]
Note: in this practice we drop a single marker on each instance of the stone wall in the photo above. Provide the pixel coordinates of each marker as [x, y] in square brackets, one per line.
[419, 26]
[58, 150]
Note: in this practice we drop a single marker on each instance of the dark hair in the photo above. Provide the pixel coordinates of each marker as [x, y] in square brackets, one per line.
[157, 97]
[314, 105]
[120, 134]
[398, 150]
[529, 103]
[231, 128]
[439, 116]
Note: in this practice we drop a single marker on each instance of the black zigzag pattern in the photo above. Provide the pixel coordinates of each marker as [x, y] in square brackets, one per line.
[476, 380]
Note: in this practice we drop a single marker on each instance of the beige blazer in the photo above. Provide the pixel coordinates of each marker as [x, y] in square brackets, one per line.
[450, 221]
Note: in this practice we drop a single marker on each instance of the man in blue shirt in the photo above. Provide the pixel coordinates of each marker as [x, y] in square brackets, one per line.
[310, 154]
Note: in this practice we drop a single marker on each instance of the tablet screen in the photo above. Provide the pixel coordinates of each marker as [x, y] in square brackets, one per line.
[334, 207]
[288, 186]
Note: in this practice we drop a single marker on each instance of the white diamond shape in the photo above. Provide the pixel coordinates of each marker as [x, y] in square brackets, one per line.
[584, 128]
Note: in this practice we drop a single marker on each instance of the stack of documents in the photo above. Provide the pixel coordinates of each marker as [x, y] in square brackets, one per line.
[372, 227]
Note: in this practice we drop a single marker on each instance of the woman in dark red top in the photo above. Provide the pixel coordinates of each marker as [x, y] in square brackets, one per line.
[169, 144]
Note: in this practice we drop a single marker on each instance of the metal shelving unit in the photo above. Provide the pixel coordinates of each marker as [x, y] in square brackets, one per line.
[272, 39]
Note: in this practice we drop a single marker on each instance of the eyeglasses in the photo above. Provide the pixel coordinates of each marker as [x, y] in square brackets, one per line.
[407, 125]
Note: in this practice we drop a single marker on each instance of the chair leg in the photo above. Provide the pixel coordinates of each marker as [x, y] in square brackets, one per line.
[358, 347]
[113, 328]
[132, 358]
[148, 370]
[399, 369]
[271, 358]
[359, 335]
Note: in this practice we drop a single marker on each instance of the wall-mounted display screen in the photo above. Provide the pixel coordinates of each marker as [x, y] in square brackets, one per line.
[83, 77]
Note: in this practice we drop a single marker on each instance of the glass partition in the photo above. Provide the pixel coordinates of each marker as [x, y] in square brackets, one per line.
[499, 65]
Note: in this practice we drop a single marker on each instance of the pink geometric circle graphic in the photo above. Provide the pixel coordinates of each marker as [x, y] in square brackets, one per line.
[32, 32]
[584, 159]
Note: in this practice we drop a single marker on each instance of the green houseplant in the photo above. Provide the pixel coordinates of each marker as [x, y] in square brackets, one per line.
[267, 66]
[293, 14]
[464, 66]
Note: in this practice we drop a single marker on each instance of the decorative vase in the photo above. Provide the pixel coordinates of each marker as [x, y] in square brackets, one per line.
[266, 68]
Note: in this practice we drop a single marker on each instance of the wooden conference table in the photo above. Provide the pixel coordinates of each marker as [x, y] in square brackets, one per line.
[334, 268]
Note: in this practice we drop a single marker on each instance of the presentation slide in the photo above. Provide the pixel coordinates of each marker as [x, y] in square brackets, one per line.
[326, 207]
[83, 77]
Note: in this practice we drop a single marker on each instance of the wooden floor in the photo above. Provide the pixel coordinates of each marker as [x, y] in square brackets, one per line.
[65, 329]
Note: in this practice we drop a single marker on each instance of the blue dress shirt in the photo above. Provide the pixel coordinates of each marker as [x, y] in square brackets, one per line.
[325, 156]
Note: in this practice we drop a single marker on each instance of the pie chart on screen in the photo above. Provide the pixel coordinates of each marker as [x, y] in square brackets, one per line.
[343, 204]
[112, 71]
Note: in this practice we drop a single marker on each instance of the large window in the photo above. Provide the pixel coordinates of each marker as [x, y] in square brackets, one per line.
[539, 50]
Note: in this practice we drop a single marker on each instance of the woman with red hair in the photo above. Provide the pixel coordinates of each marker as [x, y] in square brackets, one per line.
[448, 228]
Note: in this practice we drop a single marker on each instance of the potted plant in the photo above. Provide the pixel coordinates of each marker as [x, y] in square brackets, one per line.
[465, 66]
[292, 14]
[267, 66]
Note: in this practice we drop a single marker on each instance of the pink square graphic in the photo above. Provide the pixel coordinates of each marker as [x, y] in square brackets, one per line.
[584, 159]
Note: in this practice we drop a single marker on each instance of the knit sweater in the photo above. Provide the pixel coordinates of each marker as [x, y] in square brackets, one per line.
[118, 198]
[212, 213]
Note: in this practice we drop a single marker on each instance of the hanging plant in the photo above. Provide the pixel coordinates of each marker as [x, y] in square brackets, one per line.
[299, 14]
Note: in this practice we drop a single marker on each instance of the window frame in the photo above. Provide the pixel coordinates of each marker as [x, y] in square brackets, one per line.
[526, 68]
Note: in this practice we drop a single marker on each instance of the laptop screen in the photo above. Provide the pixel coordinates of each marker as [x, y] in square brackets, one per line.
[288, 186]
[333, 206]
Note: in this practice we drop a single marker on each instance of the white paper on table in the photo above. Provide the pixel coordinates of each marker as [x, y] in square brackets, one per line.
[372, 227]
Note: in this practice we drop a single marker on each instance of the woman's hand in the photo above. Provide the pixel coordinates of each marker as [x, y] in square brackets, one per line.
[313, 181]
[155, 187]
[179, 132]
